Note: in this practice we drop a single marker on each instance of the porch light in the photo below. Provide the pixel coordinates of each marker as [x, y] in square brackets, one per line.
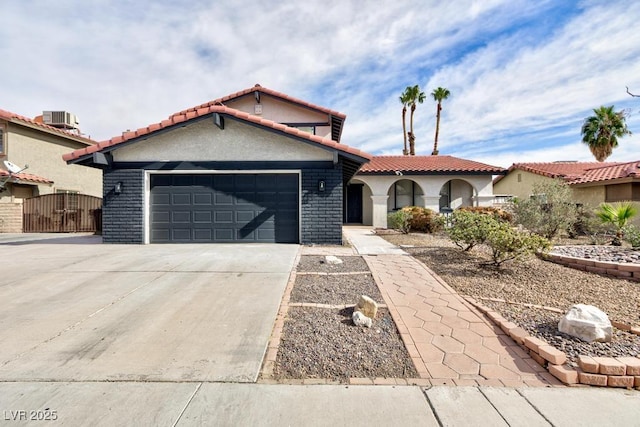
[118, 187]
[321, 186]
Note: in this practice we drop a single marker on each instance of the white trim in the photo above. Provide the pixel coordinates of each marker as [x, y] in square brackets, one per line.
[147, 191]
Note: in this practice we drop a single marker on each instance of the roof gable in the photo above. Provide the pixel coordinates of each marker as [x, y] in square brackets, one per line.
[426, 165]
[189, 115]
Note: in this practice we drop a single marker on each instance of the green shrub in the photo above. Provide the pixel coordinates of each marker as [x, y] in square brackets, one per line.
[508, 244]
[549, 211]
[617, 214]
[468, 228]
[423, 219]
[489, 210]
[471, 229]
[399, 220]
[632, 235]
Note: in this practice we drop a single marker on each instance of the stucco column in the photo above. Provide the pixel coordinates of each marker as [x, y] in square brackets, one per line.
[431, 202]
[380, 211]
[483, 200]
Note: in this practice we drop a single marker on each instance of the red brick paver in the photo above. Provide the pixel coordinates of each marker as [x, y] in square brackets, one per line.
[448, 339]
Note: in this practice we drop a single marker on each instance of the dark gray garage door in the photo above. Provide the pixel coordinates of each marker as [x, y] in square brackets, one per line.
[224, 208]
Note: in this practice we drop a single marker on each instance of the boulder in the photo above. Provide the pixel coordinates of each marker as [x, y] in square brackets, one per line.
[333, 260]
[586, 322]
[367, 306]
[360, 319]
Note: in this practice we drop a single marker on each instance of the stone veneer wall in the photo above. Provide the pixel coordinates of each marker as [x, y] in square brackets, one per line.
[10, 217]
[619, 270]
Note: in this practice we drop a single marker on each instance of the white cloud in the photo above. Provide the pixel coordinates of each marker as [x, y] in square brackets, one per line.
[523, 75]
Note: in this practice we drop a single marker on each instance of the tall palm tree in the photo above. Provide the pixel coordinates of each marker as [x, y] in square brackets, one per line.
[416, 96]
[439, 95]
[601, 131]
[404, 100]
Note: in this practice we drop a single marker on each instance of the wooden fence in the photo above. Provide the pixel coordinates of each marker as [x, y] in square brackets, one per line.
[62, 213]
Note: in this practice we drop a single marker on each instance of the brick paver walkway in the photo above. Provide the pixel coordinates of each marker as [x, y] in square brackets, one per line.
[449, 341]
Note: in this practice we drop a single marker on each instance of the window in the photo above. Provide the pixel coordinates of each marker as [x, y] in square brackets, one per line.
[519, 177]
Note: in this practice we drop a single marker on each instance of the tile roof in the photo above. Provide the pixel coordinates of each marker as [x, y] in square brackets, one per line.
[16, 118]
[267, 91]
[26, 177]
[426, 164]
[580, 172]
[191, 114]
[609, 172]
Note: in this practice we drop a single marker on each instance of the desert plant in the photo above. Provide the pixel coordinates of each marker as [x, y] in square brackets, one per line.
[423, 219]
[469, 229]
[489, 210]
[617, 214]
[632, 235]
[507, 244]
[548, 211]
[588, 224]
[399, 220]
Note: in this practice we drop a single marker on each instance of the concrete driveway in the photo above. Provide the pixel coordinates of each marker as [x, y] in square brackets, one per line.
[77, 310]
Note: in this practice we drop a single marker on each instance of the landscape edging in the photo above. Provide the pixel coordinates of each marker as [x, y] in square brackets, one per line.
[621, 372]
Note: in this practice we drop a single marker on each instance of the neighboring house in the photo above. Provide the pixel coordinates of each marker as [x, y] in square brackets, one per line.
[25, 141]
[439, 183]
[254, 166]
[592, 182]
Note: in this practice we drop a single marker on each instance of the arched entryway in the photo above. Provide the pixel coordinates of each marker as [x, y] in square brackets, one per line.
[404, 192]
[456, 193]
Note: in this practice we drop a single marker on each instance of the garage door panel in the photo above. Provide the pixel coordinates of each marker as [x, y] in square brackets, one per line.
[202, 217]
[224, 208]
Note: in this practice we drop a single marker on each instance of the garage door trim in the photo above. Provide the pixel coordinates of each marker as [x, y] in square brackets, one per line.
[147, 189]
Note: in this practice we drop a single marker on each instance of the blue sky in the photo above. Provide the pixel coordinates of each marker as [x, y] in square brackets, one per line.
[523, 75]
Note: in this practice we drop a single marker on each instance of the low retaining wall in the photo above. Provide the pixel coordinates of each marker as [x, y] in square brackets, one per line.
[597, 371]
[10, 217]
[613, 269]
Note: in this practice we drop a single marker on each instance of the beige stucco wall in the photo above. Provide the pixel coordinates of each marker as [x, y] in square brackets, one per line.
[282, 112]
[589, 196]
[43, 153]
[510, 186]
[204, 141]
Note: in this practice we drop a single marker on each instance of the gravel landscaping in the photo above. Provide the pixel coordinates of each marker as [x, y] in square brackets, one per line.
[335, 289]
[538, 282]
[324, 343]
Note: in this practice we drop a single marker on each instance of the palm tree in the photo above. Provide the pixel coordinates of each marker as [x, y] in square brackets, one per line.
[415, 97]
[404, 100]
[439, 95]
[617, 214]
[601, 131]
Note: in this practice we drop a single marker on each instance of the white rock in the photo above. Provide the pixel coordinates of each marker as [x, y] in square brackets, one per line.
[360, 319]
[586, 322]
[330, 259]
[367, 306]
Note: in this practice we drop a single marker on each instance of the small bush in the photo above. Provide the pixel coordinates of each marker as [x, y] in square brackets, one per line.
[549, 211]
[423, 219]
[632, 235]
[497, 213]
[508, 244]
[399, 220]
[468, 228]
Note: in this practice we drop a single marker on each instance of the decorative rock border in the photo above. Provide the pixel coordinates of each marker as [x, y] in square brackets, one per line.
[613, 269]
[598, 371]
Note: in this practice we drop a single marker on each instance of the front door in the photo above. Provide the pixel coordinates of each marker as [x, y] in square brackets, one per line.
[354, 204]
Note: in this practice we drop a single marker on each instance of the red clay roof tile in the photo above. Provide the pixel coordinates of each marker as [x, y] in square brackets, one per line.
[16, 118]
[408, 164]
[27, 177]
[580, 172]
[201, 111]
